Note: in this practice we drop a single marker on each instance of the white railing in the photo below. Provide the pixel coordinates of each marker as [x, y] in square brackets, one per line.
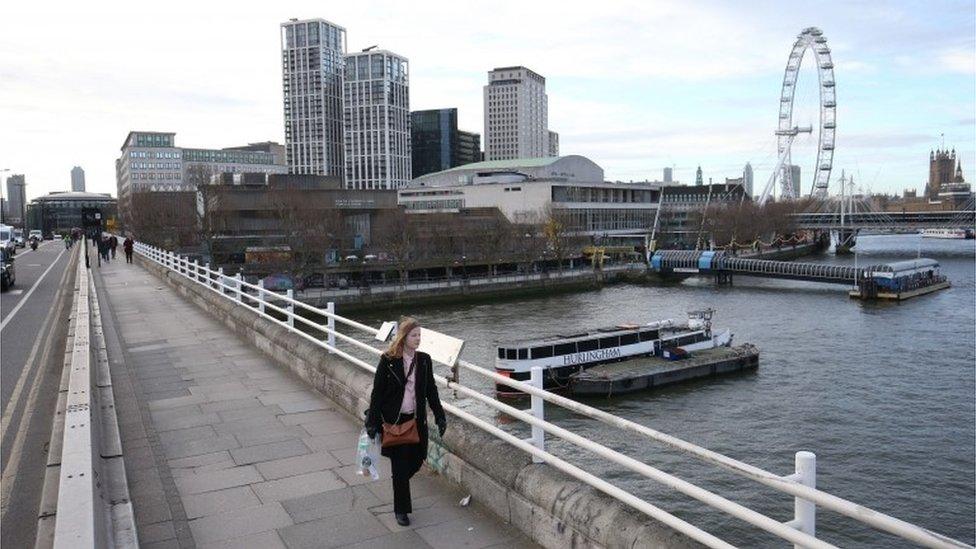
[800, 484]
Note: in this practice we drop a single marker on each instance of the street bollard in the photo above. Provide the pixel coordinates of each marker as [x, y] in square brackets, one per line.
[261, 296]
[330, 324]
[290, 294]
[805, 512]
[240, 287]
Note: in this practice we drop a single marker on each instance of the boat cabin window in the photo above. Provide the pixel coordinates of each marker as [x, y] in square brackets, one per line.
[609, 342]
[648, 336]
[523, 354]
[628, 339]
[501, 353]
[510, 354]
[542, 352]
[587, 345]
[565, 349]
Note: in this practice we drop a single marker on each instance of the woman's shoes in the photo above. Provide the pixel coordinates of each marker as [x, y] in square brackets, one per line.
[402, 519]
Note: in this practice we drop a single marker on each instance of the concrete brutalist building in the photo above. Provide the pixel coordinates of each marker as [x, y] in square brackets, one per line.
[242, 211]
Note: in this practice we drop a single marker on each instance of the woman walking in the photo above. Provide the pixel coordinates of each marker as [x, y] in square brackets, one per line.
[403, 387]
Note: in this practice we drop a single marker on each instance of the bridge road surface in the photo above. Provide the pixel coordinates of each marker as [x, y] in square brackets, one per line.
[223, 448]
[34, 317]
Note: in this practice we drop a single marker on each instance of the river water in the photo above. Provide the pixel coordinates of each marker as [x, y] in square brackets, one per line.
[882, 392]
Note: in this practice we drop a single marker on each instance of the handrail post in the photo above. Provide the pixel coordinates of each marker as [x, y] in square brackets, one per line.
[290, 294]
[195, 271]
[804, 511]
[538, 410]
[261, 296]
[330, 324]
[220, 280]
[206, 274]
[239, 287]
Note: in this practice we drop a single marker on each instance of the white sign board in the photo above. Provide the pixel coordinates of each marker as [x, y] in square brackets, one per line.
[441, 347]
[386, 330]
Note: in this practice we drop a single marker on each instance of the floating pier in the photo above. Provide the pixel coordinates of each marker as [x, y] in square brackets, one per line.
[897, 280]
[652, 372]
[895, 295]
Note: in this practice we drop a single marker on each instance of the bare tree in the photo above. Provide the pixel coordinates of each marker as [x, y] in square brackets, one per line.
[395, 233]
[307, 225]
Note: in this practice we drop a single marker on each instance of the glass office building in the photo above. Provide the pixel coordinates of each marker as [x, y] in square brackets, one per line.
[438, 145]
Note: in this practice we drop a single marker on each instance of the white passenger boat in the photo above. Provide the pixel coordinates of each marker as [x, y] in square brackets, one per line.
[563, 355]
[954, 234]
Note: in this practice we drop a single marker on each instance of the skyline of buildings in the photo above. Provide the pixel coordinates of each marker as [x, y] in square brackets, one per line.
[347, 114]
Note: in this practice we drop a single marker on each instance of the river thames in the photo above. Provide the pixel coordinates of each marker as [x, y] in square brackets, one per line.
[882, 392]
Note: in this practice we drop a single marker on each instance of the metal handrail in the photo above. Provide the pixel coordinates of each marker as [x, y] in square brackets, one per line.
[788, 484]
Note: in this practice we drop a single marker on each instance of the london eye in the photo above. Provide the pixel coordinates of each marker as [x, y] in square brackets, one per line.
[812, 39]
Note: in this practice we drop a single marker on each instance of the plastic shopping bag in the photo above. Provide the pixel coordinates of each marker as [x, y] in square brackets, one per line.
[368, 455]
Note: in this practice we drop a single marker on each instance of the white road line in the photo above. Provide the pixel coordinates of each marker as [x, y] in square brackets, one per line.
[29, 292]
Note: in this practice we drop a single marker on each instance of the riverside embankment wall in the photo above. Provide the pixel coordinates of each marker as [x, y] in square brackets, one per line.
[468, 290]
[554, 509]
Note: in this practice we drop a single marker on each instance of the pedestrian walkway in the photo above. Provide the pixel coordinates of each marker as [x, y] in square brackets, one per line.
[223, 448]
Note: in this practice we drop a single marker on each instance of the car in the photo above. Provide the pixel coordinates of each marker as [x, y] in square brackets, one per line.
[57, 236]
[19, 238]
[7, 275]
[351, 258]
[36, 233]
[7, 241]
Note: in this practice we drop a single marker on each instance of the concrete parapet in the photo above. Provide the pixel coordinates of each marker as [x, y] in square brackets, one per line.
[551, 507]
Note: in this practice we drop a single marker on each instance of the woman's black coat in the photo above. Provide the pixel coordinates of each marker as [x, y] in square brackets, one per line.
[389, 384]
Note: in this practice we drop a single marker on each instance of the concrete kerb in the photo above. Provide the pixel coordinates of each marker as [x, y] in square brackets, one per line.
[554, 509]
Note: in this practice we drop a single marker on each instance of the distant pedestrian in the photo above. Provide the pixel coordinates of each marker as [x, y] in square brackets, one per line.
[127, 248]
[403, 387]
[112, 244]
[103, 248]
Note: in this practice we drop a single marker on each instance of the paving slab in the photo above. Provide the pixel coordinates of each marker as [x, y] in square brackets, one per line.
[298, 486]
[239, 523]
[268, 452]
[335, 531]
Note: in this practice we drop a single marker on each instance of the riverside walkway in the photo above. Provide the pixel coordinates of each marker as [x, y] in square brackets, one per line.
[225, 449]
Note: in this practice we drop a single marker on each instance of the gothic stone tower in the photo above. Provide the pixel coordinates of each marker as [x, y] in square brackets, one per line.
[942, 169]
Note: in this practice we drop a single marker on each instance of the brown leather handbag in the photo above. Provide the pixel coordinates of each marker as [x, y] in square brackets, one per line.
[399, 434]
[403, 433]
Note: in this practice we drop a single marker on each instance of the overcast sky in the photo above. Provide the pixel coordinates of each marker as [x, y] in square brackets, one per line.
[633, 85]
